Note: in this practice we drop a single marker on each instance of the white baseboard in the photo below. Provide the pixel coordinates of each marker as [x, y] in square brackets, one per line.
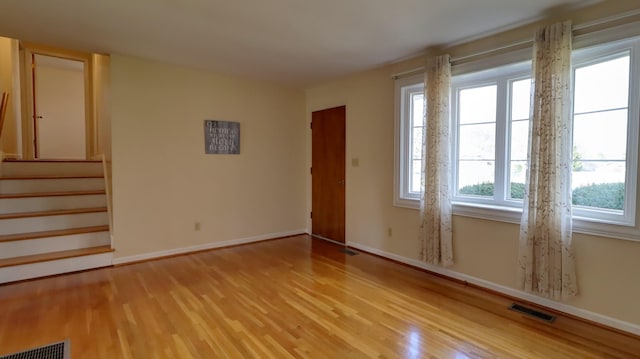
[561, 307]
[203, 247]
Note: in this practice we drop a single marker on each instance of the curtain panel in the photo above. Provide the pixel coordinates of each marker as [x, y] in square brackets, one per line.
[546, 256]
[435, 199]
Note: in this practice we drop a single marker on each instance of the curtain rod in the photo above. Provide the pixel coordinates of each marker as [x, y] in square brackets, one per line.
[523, 43]
[512, 45]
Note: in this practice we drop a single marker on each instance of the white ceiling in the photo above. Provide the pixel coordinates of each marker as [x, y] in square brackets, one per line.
[294, 42]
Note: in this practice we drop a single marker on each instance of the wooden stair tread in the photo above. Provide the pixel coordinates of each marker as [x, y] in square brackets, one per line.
[51, 194]
[54, 256]
[52, 233]
[49, 177]
[52, 213]
[51, 161]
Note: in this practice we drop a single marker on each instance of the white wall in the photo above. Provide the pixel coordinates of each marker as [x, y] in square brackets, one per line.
[163, 182]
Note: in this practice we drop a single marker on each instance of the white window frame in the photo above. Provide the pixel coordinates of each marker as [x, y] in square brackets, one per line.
[502, 77]
[595, 54]
[402, 195]
[606, 224]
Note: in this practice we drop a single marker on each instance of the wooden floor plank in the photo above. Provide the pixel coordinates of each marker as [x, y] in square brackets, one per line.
[287, 298]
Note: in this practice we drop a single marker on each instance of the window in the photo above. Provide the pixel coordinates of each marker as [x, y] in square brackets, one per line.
[490, 124]
[476, 133]
[410, 108]
[490, 115]
[601, 156]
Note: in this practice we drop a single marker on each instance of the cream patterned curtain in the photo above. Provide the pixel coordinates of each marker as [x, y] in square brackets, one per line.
[546, 258]
[435, 204]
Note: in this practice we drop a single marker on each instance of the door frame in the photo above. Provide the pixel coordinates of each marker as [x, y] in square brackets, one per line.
[27, 50]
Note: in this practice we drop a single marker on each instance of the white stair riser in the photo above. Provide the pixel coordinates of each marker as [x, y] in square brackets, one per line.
[50, 185]
[25, 169]
[53, 244]
[50, 203]
[49, 223]
[41, 269]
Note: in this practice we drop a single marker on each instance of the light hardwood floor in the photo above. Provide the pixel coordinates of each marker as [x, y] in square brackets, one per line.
[287, 298]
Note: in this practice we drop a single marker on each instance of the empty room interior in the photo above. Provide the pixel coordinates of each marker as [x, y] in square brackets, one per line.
[320, 179]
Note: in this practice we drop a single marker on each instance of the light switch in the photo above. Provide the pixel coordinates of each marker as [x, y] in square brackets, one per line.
[355, 162]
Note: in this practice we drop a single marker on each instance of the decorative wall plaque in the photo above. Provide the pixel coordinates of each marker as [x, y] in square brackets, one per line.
[221, 137]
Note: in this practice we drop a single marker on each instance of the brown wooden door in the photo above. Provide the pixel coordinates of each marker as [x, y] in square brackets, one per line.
[328, 173]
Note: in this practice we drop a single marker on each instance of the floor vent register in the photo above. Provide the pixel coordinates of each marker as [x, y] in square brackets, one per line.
[532, 313]
[348, 251]
[51, 351]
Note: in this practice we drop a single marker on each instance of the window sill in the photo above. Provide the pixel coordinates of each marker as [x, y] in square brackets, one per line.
[513, 215]
[406, 202]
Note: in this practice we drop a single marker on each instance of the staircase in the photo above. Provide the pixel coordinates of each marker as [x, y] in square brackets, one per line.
[53, 218]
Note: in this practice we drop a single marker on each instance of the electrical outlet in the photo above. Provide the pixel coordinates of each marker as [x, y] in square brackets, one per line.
[196, 226]
[389, 232]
